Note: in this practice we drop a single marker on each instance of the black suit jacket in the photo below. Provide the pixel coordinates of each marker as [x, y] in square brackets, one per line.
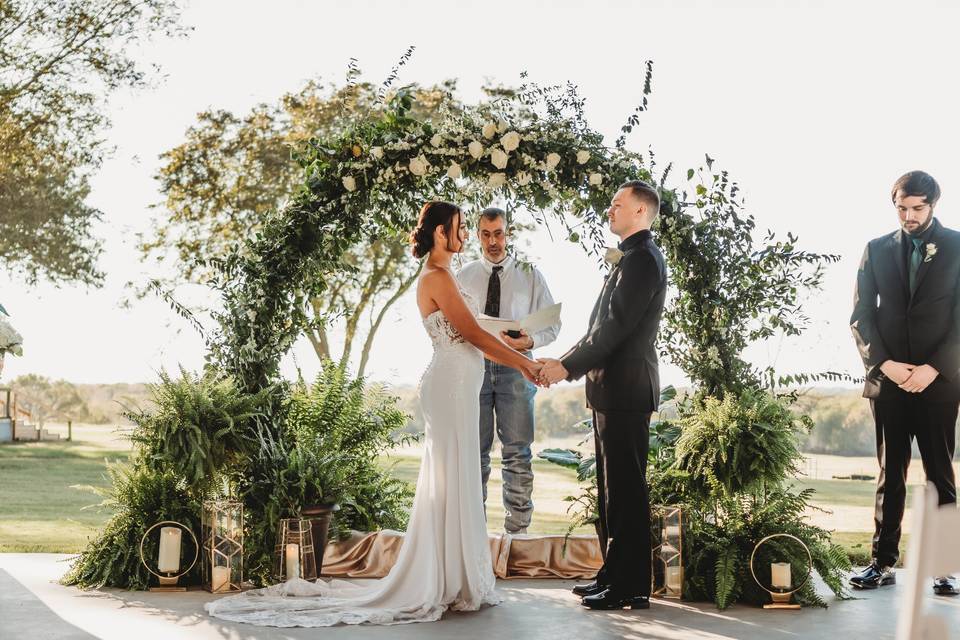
[889, 323]
[619, 355]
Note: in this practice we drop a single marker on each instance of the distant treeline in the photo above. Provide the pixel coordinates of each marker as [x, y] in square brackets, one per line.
[844, 425]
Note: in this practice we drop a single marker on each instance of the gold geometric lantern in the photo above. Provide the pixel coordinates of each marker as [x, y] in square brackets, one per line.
[222, 534]
[295, 557]
[667, 574]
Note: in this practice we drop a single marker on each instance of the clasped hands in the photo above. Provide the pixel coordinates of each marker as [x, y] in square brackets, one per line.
[551, 371]
[909, 377]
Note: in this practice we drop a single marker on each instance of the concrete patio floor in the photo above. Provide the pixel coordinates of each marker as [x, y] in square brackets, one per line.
[34, 607]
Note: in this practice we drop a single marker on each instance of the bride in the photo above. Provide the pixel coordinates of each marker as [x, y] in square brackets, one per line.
[445, 558]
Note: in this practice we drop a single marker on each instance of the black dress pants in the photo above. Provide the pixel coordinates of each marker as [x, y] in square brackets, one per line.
[900, 419]
[622, 441]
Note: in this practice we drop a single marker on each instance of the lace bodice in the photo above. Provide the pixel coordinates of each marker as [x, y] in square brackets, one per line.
[442, 333]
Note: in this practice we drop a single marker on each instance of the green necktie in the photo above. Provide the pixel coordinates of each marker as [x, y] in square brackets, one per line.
[915, 262]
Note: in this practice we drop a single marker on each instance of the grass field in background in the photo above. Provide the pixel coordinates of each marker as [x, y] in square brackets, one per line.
[39, 512]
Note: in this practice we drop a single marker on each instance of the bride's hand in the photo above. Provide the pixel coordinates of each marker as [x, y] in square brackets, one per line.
[532, 372]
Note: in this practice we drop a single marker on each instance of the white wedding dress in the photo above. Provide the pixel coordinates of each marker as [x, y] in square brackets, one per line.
[445, 558]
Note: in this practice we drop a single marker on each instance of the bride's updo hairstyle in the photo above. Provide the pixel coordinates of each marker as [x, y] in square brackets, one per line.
[433, 214]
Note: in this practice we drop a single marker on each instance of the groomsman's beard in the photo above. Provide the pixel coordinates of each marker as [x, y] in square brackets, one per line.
[915, 229]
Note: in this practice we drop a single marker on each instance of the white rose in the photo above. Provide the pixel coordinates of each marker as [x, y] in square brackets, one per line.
[496, 180]
[596, 179]
[524, 178]
[436, 140]
[454, 170]
[475, 149]
[489, 130]
[553, 160]
[418, 166]
[510, 141]
[582, 157]
[349, 183]
[502, 126]
[377, 152]
[499, 159]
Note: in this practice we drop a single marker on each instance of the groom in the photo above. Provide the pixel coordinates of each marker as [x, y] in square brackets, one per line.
[619, 358]
[906, 323]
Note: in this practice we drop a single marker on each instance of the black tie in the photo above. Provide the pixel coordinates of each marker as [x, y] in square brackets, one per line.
[492, 307]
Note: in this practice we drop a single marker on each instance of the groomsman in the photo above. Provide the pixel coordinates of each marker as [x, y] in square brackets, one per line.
[906, 323]
[511, 291]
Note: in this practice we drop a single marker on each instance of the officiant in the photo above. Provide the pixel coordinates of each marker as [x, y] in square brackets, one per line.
[510, 290]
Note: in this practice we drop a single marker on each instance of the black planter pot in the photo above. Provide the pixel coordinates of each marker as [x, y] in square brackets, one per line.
[319, 516]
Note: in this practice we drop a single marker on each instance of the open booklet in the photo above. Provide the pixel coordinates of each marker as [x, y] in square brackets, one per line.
[536, 321]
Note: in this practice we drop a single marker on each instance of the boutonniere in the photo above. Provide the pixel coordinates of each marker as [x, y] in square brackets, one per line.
[613, 256]
[931, 251]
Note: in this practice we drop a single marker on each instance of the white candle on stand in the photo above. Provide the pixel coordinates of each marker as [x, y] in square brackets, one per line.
[293, 561]
[220, 579]
[169, 559]
[780, 575]
[673, 579]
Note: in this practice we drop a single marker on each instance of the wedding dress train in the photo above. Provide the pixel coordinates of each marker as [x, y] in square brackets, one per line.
[445, 559]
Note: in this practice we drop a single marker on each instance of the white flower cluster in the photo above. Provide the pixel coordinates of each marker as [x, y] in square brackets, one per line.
[10, 340]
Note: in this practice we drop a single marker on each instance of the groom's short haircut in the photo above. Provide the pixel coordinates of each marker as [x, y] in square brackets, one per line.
[492, 213]
[645, 192]
[917, 183]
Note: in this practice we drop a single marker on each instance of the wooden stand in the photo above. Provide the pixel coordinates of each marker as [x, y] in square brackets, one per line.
[781, 601]
[167, 585]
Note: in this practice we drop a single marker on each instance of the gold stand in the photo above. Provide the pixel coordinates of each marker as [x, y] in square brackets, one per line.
[168, 585]
[781, 601]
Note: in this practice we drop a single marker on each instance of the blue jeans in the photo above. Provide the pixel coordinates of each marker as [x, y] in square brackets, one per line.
[506, 399]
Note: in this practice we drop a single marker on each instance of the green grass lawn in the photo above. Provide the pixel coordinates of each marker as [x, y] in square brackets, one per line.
[39, 511]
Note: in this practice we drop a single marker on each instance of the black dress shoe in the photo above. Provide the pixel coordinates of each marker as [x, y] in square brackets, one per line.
[608, 599]
[946, 586]
[589, 589]
[874, 576]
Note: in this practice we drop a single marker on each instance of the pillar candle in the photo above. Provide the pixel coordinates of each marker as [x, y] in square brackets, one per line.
[780, 575]
[293, 561]
[220, 580]
[169, 559]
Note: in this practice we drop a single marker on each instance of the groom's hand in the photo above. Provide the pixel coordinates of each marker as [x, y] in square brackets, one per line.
[920, 379]
[553, 371]
[898, 372]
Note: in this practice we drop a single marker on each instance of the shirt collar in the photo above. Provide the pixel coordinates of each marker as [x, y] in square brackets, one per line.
[488, 265]
[634, 239]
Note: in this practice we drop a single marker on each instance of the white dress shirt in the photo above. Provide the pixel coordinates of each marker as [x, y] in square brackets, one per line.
[523, 290]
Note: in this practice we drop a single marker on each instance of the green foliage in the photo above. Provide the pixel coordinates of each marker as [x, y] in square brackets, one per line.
[48, 399]
[739, 444]
[201, 427]
[334, 431]
[730, 289]
[141, 496]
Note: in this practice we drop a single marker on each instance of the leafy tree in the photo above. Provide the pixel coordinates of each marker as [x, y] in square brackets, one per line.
[57, 60]
[48, 399]
[232, 171]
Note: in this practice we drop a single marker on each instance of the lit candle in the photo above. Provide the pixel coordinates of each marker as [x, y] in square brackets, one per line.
[293, 561]
[671, 531]
[220, 580]
[780, 575]
[169, 560]
[673, 579]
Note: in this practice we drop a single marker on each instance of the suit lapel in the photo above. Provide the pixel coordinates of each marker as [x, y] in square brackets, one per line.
[924, 263]
[898, 239]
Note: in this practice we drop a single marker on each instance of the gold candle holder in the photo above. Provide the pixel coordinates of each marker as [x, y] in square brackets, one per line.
[222, 533]
[295, 557]
[781, 595]
[667, 574]
[169, 579]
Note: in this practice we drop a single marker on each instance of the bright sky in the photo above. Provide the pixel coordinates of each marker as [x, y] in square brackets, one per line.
[813, 109]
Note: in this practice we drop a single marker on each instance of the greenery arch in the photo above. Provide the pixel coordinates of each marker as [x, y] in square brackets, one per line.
[531, 149]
